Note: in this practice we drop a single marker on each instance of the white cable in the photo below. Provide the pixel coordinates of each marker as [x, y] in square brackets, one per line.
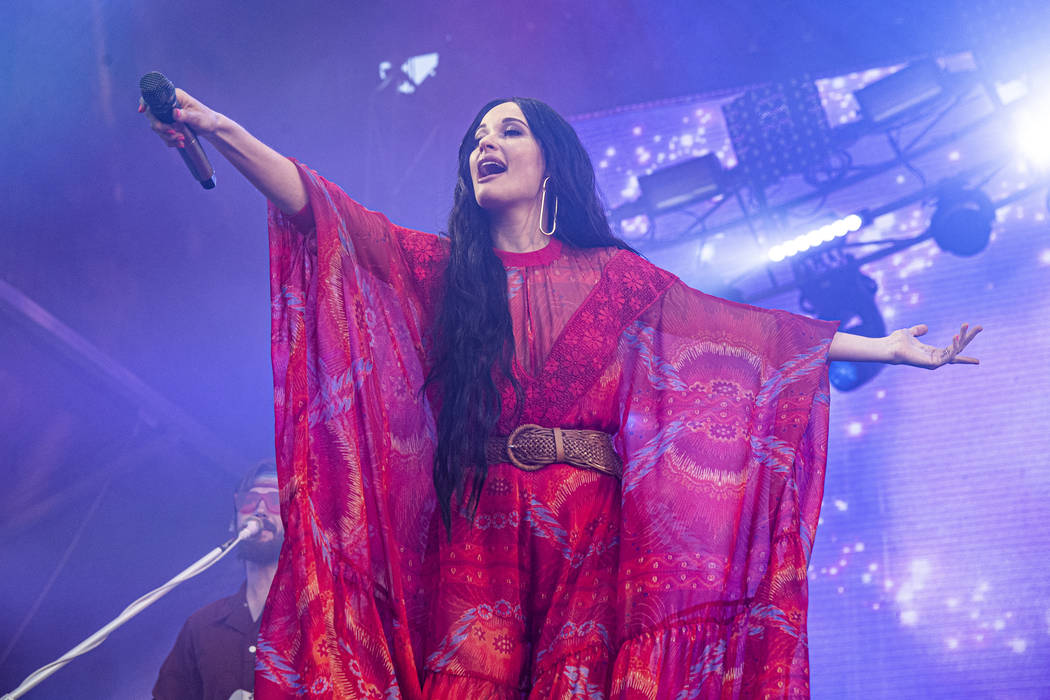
[251, 528]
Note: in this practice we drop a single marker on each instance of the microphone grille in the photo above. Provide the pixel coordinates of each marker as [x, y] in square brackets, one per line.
[159, 95]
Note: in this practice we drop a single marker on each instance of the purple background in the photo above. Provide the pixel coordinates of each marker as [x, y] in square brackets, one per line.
[928, 577]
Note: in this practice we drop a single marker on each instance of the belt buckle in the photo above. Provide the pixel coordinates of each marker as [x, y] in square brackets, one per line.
[510, 448]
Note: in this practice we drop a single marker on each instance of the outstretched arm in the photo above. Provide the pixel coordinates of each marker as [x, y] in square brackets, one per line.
[902, 347]
[271, 173]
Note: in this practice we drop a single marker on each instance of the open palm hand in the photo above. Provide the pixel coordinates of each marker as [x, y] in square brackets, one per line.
[907, 349]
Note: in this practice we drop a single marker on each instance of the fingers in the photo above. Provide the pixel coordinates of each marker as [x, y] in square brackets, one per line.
[959, 343]
[174, 135]
[966, 335]
[916, 353]
[190, 118]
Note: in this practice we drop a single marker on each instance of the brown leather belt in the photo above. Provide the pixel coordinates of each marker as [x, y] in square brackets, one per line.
[531, 447]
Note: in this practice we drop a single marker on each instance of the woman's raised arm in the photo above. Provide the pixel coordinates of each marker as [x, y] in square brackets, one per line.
[271, 173]
[902, 347]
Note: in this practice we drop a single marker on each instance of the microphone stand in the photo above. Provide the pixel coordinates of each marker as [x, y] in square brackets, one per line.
[251, 528]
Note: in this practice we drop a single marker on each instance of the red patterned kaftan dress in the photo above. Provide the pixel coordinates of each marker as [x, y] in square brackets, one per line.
[685, 580]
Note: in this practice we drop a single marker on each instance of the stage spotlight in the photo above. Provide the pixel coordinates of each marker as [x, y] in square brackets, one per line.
[962, 222]
[900, 93]
[1030, 135]
[778, 130]
[833, 288]
[817, 237]
[668, 189]
[691, 181]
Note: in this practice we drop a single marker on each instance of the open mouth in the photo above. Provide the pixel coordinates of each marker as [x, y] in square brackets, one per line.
[487, 168]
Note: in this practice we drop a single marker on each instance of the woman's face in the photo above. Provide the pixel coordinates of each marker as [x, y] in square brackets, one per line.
[507, 165]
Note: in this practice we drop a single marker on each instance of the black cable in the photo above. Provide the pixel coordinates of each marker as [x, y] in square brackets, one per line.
[903, 159]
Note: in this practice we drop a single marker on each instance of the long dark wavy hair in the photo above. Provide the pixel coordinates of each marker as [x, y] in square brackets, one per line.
[473, 335]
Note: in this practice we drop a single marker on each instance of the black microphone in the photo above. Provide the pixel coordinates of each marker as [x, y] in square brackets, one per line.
[159, 95]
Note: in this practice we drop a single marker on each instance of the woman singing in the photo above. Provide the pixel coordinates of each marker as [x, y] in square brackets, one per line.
[520, 460]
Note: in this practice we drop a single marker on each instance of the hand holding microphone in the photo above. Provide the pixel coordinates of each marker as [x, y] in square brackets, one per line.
[176, 117]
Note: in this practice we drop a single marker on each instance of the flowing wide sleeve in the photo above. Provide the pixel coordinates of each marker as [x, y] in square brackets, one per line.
[352, 296]
[724, 417]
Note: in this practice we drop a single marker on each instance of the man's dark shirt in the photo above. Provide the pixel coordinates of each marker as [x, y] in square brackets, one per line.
[214, 655]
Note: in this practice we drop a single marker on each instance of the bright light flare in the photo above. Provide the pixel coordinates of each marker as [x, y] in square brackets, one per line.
[1030, 134]
[816, 237]
[1011, 91]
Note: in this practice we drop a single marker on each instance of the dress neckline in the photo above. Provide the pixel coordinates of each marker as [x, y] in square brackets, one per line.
[534, 258]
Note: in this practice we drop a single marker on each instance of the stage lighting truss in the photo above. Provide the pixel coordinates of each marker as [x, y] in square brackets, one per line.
[922, 110]
[782, 130]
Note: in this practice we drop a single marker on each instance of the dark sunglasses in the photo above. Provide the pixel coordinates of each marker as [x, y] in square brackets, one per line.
[248, 501]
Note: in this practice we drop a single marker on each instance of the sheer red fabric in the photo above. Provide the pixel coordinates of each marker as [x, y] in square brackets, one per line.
[686, 580]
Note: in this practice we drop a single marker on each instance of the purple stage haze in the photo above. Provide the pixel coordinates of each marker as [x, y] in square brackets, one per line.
[928, 576]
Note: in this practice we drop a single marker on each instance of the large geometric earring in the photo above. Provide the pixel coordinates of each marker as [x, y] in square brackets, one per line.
[543, 208]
